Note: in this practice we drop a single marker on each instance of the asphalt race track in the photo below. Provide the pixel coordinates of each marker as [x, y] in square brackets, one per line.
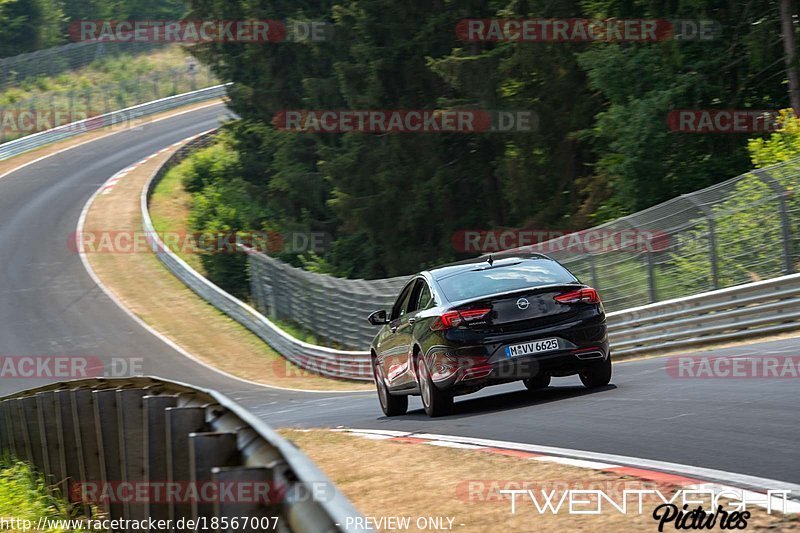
[50, 306]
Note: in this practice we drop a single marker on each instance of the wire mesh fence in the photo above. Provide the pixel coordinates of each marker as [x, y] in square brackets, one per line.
[58, 59]
[742, 230]
[80, 98]
[55, 108]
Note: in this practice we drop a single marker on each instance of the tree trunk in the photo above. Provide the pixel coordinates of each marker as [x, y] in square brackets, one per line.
[790, 54]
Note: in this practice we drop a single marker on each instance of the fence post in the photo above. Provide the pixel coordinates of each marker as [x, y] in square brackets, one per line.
[712, 237]
[786, 235]
[652, 291]
[593, 271]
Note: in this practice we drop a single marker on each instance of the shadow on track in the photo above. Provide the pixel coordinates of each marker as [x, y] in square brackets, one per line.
[507, 401]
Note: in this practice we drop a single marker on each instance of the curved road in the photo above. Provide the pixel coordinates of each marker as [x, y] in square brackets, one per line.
[50, 306]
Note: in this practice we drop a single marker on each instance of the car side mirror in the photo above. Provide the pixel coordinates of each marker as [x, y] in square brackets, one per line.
[378, 318]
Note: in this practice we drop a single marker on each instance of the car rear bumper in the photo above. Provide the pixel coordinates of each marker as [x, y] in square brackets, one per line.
[474, 367]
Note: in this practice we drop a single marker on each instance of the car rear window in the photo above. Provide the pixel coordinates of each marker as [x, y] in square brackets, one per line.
[483, 280]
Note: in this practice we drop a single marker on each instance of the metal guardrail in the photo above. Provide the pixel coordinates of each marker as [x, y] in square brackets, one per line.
[145, 431]
[760, 308]
[348, 364]
[30, 142]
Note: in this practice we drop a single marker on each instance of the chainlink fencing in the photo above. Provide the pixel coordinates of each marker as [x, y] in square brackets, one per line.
[742, 230]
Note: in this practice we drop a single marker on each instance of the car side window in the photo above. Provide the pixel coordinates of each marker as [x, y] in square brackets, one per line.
[425, 299]
[421, 297]
[399, 308]
[413, 302]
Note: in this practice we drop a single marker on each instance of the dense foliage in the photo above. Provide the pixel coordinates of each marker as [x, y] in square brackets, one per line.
[28, 25]
[392, 202]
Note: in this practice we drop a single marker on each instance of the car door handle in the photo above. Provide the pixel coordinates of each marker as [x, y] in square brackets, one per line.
[393, 328]
[412, 320]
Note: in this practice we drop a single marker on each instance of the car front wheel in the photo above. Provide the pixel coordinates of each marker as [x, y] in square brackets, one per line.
[435, 401]
[391, 405]
[598, 374]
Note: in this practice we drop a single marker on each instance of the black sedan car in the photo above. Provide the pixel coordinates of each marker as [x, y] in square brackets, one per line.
[458, 328]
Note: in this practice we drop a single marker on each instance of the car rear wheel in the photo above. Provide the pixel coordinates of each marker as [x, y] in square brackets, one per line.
[598, 374]
[391, 405]
[538, 382]
[435, 401]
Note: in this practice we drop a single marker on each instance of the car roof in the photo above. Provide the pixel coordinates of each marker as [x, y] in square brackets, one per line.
[498, 260]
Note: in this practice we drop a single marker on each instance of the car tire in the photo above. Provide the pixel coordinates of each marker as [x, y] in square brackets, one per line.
[597, 374]
[435, 401]
[390, 405]
[538, 382]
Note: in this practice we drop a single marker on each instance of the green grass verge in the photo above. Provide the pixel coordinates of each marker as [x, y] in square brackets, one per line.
[106, 84]
[170, 207]
[24, 496]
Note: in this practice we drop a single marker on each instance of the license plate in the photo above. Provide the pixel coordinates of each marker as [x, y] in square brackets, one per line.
[528, 348]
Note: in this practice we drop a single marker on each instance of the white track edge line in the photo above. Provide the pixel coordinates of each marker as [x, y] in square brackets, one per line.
[709, 474]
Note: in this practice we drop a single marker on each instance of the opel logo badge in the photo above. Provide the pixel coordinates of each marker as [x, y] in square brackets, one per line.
[523, 303]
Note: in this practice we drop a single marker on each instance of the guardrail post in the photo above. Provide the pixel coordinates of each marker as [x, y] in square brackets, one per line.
[155, 451]
[30, 412]
[254, 481]
[49, 427]
[180, 422]
[22, 442]
[131, 444]
[786, 235]
[72, 457]
[6, 430]
[206, 451]
[86, 435]
[712, 237]
[108, 427]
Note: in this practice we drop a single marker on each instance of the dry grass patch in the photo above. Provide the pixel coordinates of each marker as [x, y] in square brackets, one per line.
[391, 478]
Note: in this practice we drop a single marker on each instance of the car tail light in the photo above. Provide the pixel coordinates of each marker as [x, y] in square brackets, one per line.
[453, 319]
[588, 296]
